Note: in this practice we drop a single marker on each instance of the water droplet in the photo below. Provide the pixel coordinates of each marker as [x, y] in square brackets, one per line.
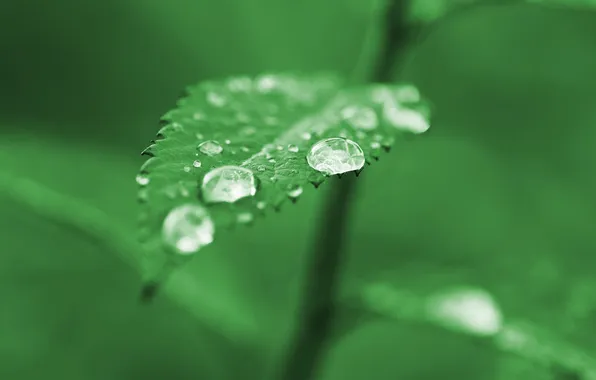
[293, 148]
[261, 205]
[210, 148]
[272, 160]
[228, 142]
[360, 117]
[245, 149]
[375, 145]
[142, 179]
[306, 136]
[245, 217]
[198, 116]
[294, 191]
[196, 163]
[406, 119]
[199, 136]
[216, 100]
[228, 184]
[187, 169]
[261, 168]
[335, 156]
[187, 228]
[279, 147]
[469, 309]
[249, 131]
[266, 83]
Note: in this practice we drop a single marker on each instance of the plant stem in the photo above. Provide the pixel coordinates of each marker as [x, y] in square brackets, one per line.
[307, 349]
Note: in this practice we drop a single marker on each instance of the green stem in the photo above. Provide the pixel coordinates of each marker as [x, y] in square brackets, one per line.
[308, 346]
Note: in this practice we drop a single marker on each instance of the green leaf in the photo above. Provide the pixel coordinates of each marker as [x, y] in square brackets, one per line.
[266, 126]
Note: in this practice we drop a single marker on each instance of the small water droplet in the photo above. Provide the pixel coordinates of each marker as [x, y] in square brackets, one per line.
[245, 149]
[261, 168]
[261, 205]
[266, 83]
[294, 171]
[249, 131]
[360, 117]
[210, 148]
[294, 191]
[216, 100]
[406, 119]
[335, 156]
[142, 179]
[187, 228]
[187, 169]
[196, 163]
[293, 148]
[272, 160]
[306, 136]
[245, 217]
[279, 147]
[198, 116]
[375, 145]
[228, 142]
[199, 136]
[228, 184]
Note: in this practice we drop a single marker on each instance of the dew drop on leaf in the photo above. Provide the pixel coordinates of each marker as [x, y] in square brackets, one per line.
[196, 163]
[210, 148]
[470, 309]
[187, 228]
[261, 168]
[360, 117]
[261, 205]
[406, 119]
[266, 83]
[227, 142]
[375, 145]
[186, 169]
[294, 191]
[335, 156]
[244, 218]
[142, 180]
[306, 136]
[216, 100]
[228, 184]
[293, 148]
[245, 149]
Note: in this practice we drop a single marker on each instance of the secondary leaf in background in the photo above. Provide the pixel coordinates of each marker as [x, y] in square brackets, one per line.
[243, 145]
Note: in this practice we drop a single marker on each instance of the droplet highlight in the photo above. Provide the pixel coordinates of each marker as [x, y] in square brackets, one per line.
[142, 179]
[335, 156]
[228, 184]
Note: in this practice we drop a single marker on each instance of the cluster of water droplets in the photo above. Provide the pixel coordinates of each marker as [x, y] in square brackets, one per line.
[188, 228]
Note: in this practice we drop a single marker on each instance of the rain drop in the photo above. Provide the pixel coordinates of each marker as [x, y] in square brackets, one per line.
[293, 148]
[335, 156]
[187, 228]
[228, 184]
[360, 117]
[142, 180]
[244, 218]
[216, 100]
[406, 119]
[294, 191]
[210, 148]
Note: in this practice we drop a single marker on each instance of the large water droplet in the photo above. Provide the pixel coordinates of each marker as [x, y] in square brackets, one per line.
[360, 117]
[142, 179]
[335, 156]
[228, 184]
[187, 228]
[210, 148]
[406, 119]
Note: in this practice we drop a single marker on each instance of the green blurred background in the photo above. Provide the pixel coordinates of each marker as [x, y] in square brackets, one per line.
[499, 195]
